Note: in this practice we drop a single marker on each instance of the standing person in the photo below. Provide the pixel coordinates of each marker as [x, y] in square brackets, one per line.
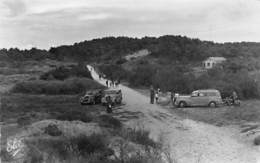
[109, 104]
[107, 83]
[110, 84]
[113, 82]
[116, 83]
[100, 76]
[156, 96]
[172, 96]
[234, 97]
[151, 95]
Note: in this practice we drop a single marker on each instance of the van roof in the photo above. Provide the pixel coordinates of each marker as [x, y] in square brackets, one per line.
[207, 90]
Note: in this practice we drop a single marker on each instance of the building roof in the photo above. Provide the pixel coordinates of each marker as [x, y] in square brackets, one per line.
[216, 59]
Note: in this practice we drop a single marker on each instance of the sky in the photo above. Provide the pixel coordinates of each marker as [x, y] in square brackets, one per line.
[47, 23]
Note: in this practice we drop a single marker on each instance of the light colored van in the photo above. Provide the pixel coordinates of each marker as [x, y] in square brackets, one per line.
[206, 97]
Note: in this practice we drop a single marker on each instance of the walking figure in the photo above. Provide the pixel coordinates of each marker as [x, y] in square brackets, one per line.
[151, 95]
[156, 97]
[107, 83]
[109, 104]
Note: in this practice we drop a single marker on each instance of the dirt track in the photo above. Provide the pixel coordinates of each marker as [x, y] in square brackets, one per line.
[190, 141]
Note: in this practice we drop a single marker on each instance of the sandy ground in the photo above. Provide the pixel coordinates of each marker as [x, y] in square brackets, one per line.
[189, 141]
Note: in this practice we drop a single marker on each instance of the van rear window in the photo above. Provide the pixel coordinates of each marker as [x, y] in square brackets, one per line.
[211, 94]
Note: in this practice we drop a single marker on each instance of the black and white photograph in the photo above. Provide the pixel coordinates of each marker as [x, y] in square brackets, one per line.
[129, 81]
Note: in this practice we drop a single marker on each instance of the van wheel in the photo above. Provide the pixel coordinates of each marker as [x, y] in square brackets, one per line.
[212, 104]
[182, 104]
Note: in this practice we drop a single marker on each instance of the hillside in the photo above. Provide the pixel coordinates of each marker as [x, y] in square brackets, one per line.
[170, 47]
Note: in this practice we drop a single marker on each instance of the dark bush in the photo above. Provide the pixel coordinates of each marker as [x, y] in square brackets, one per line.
[113, 71]
[89, 144]
[62, 73]
[5, 156]
[109, 121]
[121, 61]
[75, 115]
[143, 75]
[52, 130]
[257, 140]
[69, 86]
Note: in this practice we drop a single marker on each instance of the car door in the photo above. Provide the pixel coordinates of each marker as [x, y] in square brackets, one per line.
[199, 100]
[194, 100]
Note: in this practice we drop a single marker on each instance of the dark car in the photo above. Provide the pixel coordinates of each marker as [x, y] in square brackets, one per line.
[92, 97]
[114, 94]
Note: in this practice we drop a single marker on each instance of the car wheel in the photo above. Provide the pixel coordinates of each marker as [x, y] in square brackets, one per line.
[212, 104]
[182, 104]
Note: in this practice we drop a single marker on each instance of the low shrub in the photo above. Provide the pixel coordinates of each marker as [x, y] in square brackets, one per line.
[110, 122]
[52, 130]
[75, 115]
[69, 86]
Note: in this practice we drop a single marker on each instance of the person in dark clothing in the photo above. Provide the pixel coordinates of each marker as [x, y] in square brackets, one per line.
[107, 83]
[172, 96]
[100, 76]
[152, 95]
[112, 82]
[109, 104]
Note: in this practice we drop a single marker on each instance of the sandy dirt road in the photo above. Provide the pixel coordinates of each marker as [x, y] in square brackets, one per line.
[189, 141]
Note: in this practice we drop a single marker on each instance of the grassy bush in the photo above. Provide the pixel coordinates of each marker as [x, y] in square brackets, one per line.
[62, 73]
[75, 115]
[139, 136]
[69, 86]
[109, 121]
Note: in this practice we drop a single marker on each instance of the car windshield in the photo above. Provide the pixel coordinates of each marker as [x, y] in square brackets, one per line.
[111, 91]
[195, 93]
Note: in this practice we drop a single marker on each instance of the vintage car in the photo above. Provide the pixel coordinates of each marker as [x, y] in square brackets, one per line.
[92, 97]
[207, 97]
[114, 94]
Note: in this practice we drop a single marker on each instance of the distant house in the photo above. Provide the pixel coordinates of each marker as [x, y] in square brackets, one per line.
[212, 61]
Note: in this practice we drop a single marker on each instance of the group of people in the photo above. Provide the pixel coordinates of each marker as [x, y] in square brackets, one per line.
[112, 83]
[154, 95]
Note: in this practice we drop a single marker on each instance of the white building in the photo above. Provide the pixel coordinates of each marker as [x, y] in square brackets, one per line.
[212, 61]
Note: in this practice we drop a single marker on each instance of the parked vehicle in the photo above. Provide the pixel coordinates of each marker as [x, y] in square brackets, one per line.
[92, 97]
[207, 97]
[114, 94]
